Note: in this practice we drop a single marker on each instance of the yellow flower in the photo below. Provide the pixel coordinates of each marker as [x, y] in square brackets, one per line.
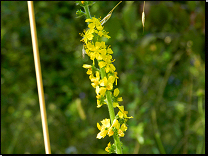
[95, 80]
[108, 147]
[109, 51]
[98, 101]
[102, 91]
[122, 113]
[90, 46]
[88, 35]
[120, 133]
[104, 128]
[89, 67]
[89, 72]
[116, 124]
[123, 127]
[102, 64]
[110, 68]
[108, 83]
[94, 22]
[110, 131]
[120, 99]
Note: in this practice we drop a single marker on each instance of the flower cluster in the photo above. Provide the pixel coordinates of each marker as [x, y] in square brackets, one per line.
[103, 79]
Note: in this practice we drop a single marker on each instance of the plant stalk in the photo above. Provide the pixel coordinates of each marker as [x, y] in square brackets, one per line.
[108, 97]
[87, 11]
[112, 115]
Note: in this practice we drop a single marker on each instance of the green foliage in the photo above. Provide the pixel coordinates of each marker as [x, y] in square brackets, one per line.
[161, 77]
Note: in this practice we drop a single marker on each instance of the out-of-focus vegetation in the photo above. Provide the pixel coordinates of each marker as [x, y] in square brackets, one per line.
[161, 77]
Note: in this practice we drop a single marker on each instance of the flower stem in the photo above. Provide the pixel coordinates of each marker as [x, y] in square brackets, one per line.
[112, 115]
[86, 8]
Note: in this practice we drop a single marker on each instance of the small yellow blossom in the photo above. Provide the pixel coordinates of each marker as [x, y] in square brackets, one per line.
[108, 147]
[122, 113]
[102, 91]
[120, 133]
[116, 124]
[120, 99]
[104, 128]
[102, 64]
[88, 35]
[123, 127]
[110, 131]
[89, 71]
[95, 80]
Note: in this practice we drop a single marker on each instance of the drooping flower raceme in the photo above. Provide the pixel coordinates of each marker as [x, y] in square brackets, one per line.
[103, 79]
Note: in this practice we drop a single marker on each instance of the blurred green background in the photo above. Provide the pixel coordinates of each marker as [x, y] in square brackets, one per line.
[161, 77]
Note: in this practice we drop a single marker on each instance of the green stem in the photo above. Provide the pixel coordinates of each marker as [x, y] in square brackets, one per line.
[112, 115]
[87, 11]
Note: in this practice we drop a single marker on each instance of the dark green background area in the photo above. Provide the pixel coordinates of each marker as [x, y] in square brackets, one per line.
[161, 77]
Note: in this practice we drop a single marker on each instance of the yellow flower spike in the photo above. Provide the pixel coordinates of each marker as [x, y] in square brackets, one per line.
[102, 53]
